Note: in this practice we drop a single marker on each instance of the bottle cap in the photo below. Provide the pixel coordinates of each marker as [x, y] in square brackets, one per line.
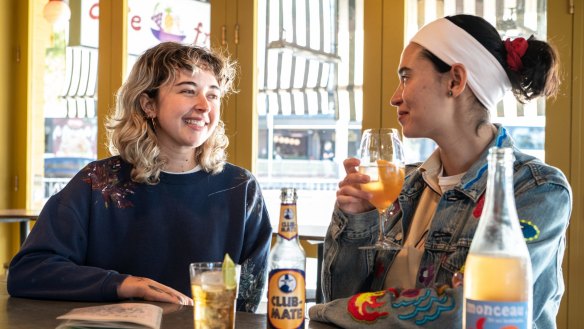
[288, 193]
[501, 153]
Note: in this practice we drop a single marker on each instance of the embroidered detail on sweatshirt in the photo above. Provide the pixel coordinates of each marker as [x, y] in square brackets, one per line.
[104, 177]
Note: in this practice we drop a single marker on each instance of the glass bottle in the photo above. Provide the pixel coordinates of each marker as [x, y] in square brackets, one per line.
[287, 265]
[498, 287]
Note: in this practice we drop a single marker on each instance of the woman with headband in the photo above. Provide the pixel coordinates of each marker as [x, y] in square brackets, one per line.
[452, 75]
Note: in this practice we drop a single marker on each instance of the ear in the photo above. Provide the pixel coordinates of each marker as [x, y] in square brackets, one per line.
[147, 105]
[458, 79]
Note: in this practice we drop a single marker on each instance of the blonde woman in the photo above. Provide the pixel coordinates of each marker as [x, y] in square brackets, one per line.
[128, 226]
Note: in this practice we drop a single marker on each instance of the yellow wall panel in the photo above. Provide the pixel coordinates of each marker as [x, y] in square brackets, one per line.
[10, 34]
[564, 144]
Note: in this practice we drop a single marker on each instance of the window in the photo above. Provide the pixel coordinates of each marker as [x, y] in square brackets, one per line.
[65, 73]
[310, 60]
[151, 22]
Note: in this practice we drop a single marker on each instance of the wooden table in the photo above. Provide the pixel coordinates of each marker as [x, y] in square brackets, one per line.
[21, 313]
[21, 216]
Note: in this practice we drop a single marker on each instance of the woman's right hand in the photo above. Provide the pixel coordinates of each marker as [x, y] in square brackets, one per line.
[150, 290]
[350, 198]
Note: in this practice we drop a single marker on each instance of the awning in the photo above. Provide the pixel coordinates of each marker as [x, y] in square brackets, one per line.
[80, 87]
[341, 103]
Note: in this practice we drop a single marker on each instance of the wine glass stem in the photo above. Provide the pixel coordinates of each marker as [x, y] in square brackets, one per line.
[381, 226]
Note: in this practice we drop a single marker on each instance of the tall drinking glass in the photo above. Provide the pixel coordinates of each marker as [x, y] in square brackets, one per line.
[382, 158]
[214, 297]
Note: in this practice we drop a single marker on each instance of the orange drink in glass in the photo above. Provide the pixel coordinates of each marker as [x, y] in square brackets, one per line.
[386, 188]
[382, 159]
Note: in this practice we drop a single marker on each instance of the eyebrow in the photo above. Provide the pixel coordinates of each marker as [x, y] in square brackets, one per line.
[191, 83]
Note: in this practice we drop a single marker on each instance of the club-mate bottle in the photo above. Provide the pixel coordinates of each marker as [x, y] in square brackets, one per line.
[498, 283]
[287, 264]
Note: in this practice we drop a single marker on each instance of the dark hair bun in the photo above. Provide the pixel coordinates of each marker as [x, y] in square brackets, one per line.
[539, 75]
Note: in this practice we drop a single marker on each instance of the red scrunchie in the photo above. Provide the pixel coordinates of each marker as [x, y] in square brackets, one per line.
[515, 50]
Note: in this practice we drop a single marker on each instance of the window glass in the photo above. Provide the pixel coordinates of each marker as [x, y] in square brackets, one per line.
[512, 18]
[310, 63]
[65, 73]
[154, 21]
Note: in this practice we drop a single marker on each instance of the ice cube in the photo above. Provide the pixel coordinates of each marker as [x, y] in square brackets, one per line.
[212, 280]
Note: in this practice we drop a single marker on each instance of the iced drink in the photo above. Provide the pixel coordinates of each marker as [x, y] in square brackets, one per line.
[214, 300]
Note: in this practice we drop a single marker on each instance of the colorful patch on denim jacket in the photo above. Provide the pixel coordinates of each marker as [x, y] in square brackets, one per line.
[478, 210]
[366, 307]
[394, 292]
[426, 275]
[441, 289]
[424, 308]
[104, 177]
[529, 229]
[458, 278]
[410, 293]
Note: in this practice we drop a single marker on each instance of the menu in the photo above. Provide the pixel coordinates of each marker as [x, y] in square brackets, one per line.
[122, 315]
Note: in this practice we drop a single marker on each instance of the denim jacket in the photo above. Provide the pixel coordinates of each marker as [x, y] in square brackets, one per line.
[352, 279]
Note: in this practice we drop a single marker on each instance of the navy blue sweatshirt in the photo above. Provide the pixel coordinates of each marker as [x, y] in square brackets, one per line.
[103, 227]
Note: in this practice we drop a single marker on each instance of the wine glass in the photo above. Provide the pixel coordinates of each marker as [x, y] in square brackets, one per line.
[382, 159]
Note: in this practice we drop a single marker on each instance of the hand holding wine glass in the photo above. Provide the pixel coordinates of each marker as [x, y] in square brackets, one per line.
[382, 159]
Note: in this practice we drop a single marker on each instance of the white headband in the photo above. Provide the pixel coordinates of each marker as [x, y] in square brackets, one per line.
[450, 43]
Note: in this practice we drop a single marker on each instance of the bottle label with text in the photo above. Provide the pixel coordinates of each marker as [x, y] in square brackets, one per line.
[288, 228]
[496, 315]
[286, 299]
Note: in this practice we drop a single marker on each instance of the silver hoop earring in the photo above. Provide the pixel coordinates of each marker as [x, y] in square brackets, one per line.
[153, 123]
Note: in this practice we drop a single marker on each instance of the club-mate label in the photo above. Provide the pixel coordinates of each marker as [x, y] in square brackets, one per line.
[286, 299]
[288, 228]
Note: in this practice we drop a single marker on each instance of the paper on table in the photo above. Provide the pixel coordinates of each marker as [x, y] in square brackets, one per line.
[122, 315]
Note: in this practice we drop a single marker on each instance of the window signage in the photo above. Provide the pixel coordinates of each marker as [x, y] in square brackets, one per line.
[149, 23]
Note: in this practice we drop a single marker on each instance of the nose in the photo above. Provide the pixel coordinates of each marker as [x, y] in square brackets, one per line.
[202, 104]
[396, 98]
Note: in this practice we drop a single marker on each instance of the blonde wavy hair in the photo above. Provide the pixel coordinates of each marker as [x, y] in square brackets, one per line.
[130, 133]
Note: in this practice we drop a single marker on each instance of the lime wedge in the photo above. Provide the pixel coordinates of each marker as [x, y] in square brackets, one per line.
[229, 272]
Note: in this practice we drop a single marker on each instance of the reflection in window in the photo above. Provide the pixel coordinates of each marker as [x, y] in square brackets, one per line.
[310, 59]
[512, 18]
[304, 76]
